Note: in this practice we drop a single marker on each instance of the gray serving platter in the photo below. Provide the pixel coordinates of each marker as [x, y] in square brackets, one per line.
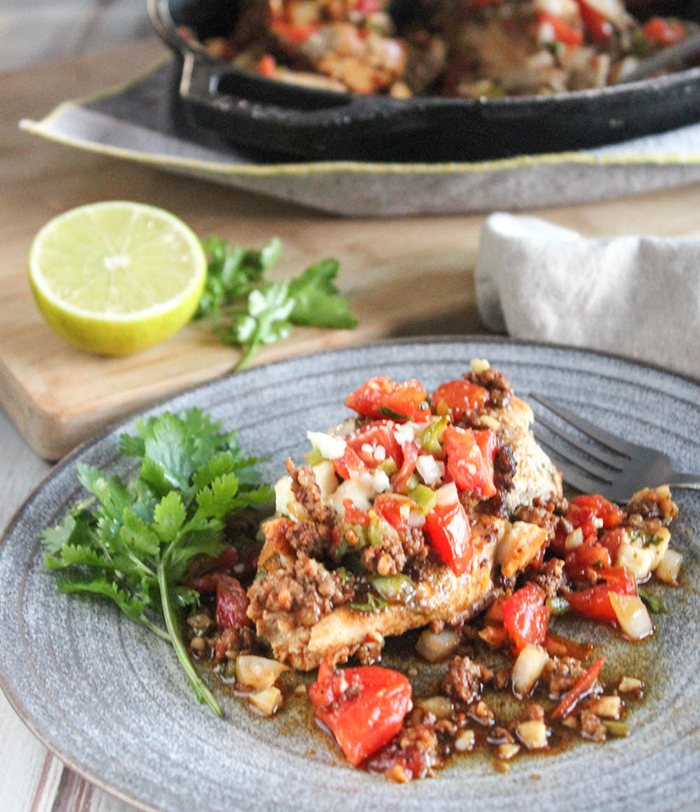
[109, 699]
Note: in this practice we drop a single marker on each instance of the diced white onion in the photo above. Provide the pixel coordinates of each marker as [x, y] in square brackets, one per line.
[434, 647]
[405, 433]
[574, 539]
[533, 734]
[479, 365]
[283, 496]
[439, 706]
[332, 448]
[609, 707]
[267, 701]
[670, 567]
[257, 672]
[324, 474]
[507, 751]
[628, 684]
[465, 741]
[416, 519]
[632, 615]
[447, 494]
[430, 470]
[528, 669]
[637, 559]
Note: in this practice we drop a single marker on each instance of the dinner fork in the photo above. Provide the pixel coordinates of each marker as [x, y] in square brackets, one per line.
[595, 461]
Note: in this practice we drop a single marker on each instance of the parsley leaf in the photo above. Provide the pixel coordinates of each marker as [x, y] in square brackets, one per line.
[135, 541]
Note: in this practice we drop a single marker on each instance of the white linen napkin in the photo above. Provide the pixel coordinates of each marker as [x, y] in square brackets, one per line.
[636, 296]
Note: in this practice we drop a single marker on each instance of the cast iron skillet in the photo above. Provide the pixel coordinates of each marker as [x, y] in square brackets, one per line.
[289, 122]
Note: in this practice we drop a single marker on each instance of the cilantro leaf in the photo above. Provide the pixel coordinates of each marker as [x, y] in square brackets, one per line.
[655, 605]
[232, 271]
[248, 311]
[134, 542]
[264, 321]
[317, 301]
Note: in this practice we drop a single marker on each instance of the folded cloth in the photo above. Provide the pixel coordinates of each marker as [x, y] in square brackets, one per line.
[636, 296]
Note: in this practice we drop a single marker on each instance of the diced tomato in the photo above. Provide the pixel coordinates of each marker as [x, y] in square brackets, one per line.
[369, 7]
[267, 66]
[589, 554]
[611, 540]
[563, 32]
[460, 397]
[377, 434]
[381, 397]
[594, 602]
[597, 26]
[395, 509]
[580, 689]
[410, 456]
[587, 512]
[231, 604]
[465, 462]
[354, 514]
[525, 616]
[349, 465]
[448, 528]
[363, 707]
[291, 34]
[664, 32]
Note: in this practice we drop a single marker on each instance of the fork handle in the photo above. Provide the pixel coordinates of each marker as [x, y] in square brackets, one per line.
[691, 481]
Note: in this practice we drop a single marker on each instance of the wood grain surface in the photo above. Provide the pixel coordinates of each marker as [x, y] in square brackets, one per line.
[403, 276]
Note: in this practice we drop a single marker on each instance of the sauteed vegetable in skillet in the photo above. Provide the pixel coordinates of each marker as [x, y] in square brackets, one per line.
[457, 48]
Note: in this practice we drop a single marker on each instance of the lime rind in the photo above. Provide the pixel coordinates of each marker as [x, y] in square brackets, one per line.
[142, 293]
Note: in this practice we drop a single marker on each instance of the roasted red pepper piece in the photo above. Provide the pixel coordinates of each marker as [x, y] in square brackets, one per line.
[363, 707]
[525, 616]
[582, 687]
[448, 528]
[381, 397]
[231, 604]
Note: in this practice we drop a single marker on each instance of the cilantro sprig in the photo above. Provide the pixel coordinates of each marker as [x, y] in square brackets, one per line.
[133, 541]
[248, 311]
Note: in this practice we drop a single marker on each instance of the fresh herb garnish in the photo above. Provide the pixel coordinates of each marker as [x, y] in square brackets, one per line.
[384, 411]
[654, 604]
[135, 540]
[374, 604]
[247, 311]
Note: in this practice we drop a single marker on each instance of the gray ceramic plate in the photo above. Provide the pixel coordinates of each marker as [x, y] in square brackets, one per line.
[109, 699]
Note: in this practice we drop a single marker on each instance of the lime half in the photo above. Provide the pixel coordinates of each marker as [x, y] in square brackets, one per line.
[116, 277]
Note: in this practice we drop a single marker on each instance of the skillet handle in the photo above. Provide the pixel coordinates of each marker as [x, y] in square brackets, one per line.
[208, 83]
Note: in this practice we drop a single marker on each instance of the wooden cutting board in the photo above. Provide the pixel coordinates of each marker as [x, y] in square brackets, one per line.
[404, 277]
